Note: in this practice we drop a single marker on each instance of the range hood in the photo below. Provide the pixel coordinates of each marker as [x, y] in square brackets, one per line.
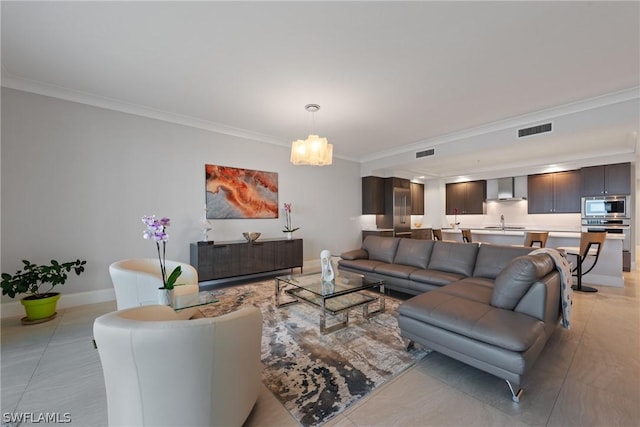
[507, 189]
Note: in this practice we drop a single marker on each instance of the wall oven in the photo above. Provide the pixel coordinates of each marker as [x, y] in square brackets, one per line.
[606, 207]
[620, 226]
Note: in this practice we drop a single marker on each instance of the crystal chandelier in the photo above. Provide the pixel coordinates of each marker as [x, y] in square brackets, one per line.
[314, 150]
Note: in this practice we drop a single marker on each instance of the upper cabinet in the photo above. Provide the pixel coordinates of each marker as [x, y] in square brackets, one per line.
[397, 183]
[606, 180]
[466, 197]
[554, 192]
[372, 195]
[417, 198]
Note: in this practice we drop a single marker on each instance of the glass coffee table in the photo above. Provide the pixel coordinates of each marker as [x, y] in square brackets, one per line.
[337, 297]
[181, 302]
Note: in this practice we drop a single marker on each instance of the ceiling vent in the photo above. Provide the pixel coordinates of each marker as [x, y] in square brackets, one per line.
[425, 153]
[534, 130]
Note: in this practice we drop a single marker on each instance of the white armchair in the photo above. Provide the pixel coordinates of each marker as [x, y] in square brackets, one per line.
[159, 370]
[136, 281]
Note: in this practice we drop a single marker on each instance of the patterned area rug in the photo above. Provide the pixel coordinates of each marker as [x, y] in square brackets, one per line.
[317, 376]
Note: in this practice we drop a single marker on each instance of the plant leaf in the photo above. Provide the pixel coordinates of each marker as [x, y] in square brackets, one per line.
[171, 280]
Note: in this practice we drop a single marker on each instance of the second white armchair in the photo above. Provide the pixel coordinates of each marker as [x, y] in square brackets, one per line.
[136, 280]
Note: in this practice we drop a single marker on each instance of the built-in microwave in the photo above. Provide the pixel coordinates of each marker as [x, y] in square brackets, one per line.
[605, 207]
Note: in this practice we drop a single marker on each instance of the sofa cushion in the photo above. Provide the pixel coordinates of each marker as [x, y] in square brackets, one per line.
[381, 248]
[355, 254]
[516, 279]
[470, 288]
[452, 257]
[434, 277]
[359, 264]
[492, 259]
[413, 252]
[503, 328]
[395, 270]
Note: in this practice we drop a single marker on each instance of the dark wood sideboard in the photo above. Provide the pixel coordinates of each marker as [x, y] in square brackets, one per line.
[220, 260]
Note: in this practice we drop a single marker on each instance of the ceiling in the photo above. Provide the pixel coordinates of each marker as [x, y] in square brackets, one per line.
[391, 77]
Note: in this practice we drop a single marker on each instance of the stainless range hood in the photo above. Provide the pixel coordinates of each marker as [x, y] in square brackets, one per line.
[507, 189]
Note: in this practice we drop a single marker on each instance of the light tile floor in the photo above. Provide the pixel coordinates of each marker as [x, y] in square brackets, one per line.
[588, 375]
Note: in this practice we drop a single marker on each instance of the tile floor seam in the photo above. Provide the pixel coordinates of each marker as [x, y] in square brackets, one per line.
[564, 380]
[35, 368]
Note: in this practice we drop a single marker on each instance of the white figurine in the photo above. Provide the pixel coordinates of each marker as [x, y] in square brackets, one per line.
[327, 269]
[205, 224]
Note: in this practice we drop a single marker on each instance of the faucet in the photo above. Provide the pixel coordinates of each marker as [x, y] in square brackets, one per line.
[502, 222]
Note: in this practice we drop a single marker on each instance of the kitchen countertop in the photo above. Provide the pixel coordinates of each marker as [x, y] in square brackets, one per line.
[568, 233]
[575, 233]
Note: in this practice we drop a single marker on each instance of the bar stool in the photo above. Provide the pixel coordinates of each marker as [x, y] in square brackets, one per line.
[466, 235]
[533, 237]
[437, 234]
[588, 239]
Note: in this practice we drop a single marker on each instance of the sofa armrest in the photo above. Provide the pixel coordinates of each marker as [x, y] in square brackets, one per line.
[542, 300]
[355, 254]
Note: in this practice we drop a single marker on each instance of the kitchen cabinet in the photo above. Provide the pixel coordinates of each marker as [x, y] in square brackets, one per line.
[467, 197]
[606, 180]
[231, 259]
[398, 183]
[557, 192]
[372, 195]
[417, 198]
[422, 233]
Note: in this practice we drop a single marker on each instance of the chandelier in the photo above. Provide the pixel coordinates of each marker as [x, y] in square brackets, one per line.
[314, 150]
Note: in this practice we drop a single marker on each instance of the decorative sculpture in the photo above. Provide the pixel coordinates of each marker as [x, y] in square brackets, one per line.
[205, 224]
[327, 269]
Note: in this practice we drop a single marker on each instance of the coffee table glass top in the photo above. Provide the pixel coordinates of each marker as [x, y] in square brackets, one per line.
[180, 302]
[344, 283]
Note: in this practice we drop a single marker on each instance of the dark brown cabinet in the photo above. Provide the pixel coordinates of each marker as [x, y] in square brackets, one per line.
[288, 254]
[606, 180]
[230, 259]
[372, 195]
[557, 192]
[417, 198]
[467, 197]
[422, 233]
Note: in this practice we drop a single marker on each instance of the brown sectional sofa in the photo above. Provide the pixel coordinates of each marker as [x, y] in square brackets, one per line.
[490, 306]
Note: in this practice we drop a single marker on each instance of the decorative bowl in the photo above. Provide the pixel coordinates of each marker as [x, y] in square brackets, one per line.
[251, 236]
[417, 224]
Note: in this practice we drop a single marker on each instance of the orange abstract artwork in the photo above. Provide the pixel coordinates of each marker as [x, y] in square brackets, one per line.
[240, 193]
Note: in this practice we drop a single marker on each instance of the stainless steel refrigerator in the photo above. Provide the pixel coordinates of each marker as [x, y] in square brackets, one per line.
[398, 212]
[401, 212]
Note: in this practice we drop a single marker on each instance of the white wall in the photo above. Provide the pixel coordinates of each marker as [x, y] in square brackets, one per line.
[77, 179]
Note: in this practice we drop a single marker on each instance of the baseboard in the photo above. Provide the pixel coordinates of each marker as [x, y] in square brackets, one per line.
[14, 308]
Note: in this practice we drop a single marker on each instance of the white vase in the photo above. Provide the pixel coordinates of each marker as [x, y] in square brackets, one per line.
[165, 296]
[289, 235]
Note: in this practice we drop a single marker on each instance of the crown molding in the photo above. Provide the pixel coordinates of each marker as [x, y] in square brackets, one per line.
[46, 89]
[513, 122]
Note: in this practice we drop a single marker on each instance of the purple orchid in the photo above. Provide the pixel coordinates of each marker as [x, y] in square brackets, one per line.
[156, 230]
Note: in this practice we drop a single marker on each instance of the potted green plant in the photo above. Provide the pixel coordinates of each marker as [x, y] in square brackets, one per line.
[39, 305]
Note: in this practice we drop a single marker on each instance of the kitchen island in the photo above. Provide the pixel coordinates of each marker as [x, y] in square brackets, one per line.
[608, 271]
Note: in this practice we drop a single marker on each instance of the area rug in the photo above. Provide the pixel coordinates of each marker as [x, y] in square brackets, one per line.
[318, 376]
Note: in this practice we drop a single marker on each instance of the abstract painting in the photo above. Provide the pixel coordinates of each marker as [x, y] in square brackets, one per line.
[240, 193]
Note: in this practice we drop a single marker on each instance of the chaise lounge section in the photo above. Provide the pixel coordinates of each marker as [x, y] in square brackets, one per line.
[492, 307]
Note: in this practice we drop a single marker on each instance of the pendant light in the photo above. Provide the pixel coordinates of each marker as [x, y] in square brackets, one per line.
[314, 151]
